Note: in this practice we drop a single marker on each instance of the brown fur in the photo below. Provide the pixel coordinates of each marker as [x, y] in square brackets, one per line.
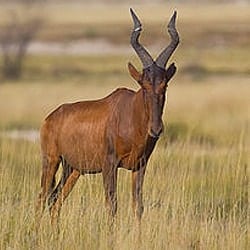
[99, 137]
[118, 131]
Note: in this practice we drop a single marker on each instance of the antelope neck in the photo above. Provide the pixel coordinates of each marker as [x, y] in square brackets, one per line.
[141, 112]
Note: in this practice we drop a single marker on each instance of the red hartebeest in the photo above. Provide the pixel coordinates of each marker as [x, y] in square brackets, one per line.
[118, 131]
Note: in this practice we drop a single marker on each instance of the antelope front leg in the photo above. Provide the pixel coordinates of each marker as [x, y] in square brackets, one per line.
[137, 182]
[110, 183]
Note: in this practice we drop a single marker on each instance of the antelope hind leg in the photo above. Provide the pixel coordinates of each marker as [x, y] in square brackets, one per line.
[67, 170]
[49, 169]
[66, 189]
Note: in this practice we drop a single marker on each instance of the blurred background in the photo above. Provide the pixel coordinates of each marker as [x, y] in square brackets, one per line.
[60, 51]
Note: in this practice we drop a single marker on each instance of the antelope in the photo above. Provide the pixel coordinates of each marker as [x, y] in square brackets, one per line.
[101, 136]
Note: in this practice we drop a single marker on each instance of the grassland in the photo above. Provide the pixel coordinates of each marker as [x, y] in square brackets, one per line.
[196, 191]
[196, 186]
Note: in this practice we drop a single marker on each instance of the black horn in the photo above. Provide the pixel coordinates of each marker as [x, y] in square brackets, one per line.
[162, 59]
[145, 57]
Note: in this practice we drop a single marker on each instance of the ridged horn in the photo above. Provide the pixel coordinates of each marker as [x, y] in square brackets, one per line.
[143, 54]
[162, 59]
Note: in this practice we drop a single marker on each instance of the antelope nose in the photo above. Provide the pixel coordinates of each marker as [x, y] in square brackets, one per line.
[155, 133]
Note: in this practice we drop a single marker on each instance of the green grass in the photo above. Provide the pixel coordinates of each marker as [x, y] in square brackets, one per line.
[202, 62]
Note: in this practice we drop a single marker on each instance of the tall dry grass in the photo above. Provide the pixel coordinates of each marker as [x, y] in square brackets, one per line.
[195, 192]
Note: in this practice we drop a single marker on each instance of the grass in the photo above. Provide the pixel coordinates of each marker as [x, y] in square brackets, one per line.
[196, 186]
[195, 195]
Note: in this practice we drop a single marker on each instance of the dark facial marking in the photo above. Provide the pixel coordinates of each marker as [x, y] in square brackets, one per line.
[154, 80]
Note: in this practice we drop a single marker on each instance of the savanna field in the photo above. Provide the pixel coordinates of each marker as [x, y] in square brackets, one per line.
[196, 189]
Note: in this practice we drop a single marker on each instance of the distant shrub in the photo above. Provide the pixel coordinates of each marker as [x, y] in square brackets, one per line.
[175, 131]
[179, 131]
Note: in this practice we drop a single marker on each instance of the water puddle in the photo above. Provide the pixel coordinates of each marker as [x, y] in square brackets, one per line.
[29, 135]
[83, 47]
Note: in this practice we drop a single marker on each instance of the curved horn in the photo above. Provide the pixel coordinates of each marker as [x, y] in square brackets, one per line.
[145, 57]
[162, 59]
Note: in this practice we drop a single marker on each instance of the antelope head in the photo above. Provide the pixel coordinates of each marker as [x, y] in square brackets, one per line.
[155, 76]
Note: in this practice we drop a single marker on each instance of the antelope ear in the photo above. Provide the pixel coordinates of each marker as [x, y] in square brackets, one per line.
[134, 73]
[170, 71]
